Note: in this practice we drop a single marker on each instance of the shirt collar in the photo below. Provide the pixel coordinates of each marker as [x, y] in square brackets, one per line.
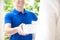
[17, 12]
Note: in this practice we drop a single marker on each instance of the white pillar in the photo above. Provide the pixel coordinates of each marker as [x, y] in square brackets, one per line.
[58, 23]
[47, 23]
[1, 20]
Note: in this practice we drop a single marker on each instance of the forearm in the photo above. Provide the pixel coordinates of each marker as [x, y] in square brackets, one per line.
[11, 31]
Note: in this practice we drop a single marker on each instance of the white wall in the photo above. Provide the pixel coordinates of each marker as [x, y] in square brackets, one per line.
[1, 20]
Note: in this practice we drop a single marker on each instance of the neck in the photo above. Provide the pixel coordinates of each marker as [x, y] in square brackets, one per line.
[20, 9]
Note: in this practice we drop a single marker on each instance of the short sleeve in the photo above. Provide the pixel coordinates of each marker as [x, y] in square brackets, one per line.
[7, 18]
[34, 17]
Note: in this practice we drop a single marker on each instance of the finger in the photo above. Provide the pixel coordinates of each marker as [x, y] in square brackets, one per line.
[22, 34]
[22, 25]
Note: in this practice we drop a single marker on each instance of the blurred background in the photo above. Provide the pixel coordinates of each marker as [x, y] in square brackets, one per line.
[32, 5]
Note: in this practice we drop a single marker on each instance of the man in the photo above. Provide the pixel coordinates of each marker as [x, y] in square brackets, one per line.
[15, 20]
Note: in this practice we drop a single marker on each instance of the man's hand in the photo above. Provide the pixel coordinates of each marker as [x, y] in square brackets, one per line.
[20, 30]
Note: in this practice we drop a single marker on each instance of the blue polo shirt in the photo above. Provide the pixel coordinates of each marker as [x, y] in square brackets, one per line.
[16, 18]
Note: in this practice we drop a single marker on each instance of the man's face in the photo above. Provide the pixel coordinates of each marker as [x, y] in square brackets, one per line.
[19, 3]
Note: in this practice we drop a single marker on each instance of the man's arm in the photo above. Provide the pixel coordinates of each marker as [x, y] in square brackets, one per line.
[11, 31]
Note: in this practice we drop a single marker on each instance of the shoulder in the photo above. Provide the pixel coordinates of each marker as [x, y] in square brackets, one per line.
[8, 14]
[30, 12]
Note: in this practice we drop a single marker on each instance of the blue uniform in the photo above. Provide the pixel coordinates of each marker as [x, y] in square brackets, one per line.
[16, 18]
